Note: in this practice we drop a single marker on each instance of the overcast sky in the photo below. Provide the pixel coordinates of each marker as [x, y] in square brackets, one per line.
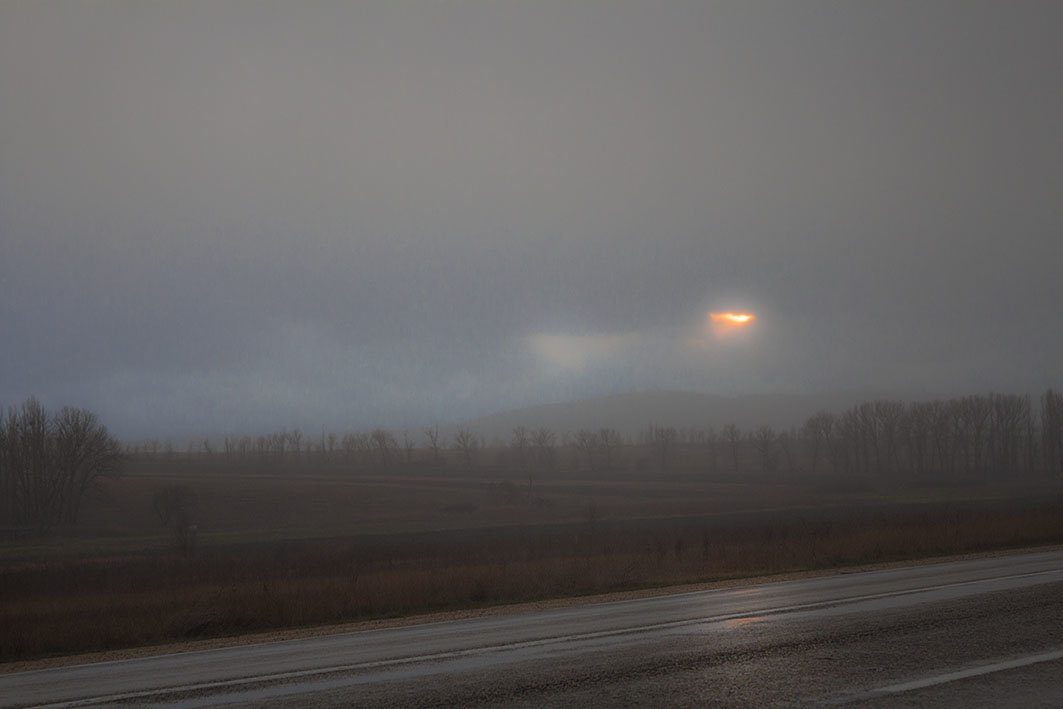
[242, 216]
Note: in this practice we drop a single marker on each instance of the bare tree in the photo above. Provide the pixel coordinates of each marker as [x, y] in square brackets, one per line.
[467, 443]
[711, 441]
[408, 446]
[733, 435]
[1052, 432]
[763, 441]
[787, 441]
[519, 442]
[543, 439]
[1009, 415]
[663, 440]
[349, 442]
[917, 437]
[48, 463]
[609, 440]
[816, 432]
[295, 438]
[364, 444]
[434, 442]
[385, 444]
[976, 412]
[586, 442]
[890, 423]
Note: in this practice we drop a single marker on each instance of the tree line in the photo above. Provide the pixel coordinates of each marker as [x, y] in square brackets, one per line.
[971, 436]
[50, 460]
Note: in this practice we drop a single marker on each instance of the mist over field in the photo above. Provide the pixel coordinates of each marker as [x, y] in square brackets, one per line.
[246, 217]
[542, 353]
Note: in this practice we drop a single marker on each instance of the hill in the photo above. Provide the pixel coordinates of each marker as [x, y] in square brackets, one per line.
[635, 412]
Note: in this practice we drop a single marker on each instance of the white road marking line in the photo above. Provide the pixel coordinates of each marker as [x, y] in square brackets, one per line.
[949, 677]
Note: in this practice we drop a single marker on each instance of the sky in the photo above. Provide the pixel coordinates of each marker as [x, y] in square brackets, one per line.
[236, 217]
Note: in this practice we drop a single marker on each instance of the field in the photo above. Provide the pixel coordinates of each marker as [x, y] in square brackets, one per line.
[305, 542]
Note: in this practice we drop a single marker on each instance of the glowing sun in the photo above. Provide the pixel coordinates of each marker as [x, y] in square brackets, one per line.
[725, 323]
[734, 318]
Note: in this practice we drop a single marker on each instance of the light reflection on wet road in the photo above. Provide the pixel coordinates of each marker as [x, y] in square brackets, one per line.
[389, 665]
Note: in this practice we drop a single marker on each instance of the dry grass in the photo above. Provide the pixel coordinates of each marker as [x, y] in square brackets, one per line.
[57, 605]
[321, 543]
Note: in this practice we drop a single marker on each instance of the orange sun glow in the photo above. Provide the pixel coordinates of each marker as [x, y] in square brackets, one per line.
[725, 324]
[732, 318]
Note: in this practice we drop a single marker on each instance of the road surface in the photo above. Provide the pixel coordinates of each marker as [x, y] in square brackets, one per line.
[969, 633]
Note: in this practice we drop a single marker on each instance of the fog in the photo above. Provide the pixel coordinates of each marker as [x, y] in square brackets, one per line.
[239, 216]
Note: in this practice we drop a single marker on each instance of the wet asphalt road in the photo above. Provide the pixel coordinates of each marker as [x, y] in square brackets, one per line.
[985, 632]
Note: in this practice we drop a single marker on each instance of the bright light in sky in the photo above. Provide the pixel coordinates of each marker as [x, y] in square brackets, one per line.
[735, 318]
[723, 324]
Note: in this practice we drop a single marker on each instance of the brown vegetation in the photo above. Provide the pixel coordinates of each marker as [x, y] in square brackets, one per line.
[82, 604]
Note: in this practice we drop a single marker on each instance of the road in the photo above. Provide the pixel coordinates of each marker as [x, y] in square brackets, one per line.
[969, 633]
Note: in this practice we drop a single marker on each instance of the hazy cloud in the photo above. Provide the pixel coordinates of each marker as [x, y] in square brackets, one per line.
[242, 215]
